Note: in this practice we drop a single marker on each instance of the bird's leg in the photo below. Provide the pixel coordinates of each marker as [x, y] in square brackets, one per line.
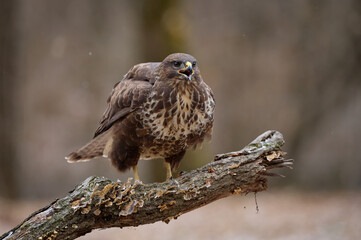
[172, 162]
[169, 170]
[135, 172]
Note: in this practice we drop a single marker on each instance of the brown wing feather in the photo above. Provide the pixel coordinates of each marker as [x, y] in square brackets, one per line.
[127, 95]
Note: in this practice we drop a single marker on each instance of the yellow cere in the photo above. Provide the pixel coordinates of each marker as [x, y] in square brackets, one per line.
[188, 64]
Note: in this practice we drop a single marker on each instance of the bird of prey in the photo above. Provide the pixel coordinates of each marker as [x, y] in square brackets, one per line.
[158, 110]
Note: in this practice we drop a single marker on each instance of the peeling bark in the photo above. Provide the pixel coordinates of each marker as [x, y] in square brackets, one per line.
[100, 203]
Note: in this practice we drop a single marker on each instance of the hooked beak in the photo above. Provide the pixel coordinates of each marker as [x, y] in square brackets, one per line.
[188, 70]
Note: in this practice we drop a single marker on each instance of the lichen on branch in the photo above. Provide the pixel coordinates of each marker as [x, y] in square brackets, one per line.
[101, 203]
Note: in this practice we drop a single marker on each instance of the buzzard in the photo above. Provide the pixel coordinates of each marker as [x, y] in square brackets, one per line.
[158, 110]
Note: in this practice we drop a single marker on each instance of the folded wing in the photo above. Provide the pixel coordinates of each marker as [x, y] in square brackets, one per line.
[127, 96]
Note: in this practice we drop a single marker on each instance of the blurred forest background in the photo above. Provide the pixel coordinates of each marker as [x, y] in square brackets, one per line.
[293, 66]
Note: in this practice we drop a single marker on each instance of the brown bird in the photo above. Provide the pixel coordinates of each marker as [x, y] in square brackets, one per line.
[158, 110]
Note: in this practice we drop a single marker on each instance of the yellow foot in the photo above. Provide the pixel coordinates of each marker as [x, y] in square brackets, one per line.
[135, 172]
[169, 171]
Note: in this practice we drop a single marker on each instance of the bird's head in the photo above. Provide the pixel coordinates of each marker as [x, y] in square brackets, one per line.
[180, 66]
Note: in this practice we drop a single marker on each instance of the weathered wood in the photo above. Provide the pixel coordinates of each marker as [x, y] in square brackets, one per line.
[100, 203]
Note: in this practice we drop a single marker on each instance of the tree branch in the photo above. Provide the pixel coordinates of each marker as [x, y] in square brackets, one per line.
[100, 203]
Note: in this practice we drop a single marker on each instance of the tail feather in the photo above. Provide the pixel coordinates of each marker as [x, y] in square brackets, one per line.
[95, 148]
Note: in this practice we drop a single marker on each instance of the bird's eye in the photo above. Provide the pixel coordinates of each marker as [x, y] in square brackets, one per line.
[177, 63]
[194, 64]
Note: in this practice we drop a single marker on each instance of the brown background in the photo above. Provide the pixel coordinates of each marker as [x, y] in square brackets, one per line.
[293, 66]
